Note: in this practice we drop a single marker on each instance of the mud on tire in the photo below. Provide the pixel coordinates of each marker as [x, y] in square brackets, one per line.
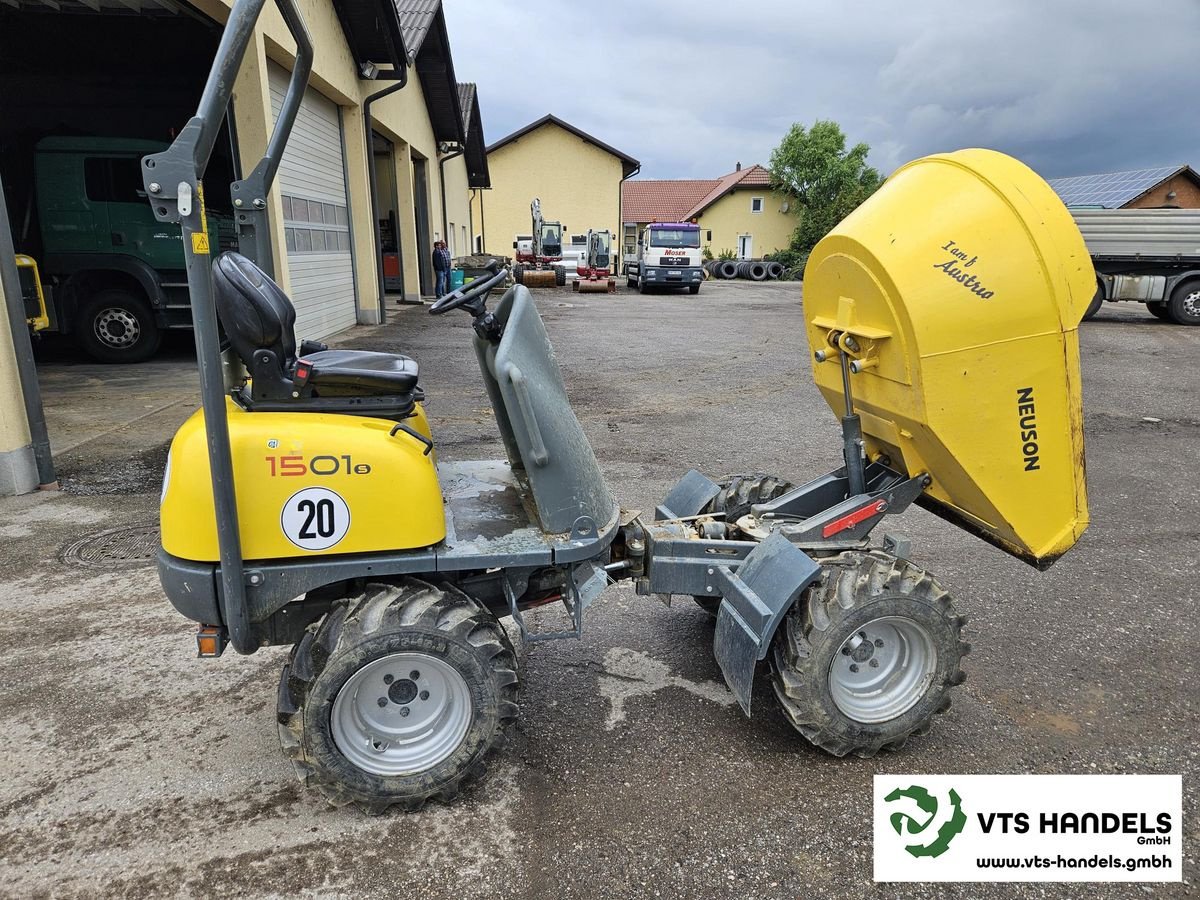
[867, 594]
[406, 621]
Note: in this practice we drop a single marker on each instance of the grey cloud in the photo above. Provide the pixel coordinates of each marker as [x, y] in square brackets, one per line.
[690, 88]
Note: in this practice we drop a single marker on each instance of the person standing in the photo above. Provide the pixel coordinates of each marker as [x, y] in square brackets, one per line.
[441, 267]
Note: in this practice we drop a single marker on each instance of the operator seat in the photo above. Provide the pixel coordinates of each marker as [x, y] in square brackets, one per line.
[260, 320]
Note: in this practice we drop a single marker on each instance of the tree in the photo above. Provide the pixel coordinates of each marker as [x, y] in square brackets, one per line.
[827, 180]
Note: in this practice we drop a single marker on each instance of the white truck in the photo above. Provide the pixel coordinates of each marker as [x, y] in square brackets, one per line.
[668, 256]
[1150, 256]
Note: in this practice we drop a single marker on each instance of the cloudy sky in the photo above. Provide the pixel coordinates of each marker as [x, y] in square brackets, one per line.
[1071, 87]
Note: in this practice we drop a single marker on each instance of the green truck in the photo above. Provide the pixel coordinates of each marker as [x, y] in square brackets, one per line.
[113, 276]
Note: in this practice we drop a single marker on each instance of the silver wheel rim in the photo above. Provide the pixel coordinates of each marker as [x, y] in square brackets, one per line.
[883, 669]
[1191, 304]
[117, 327]
[401, 714]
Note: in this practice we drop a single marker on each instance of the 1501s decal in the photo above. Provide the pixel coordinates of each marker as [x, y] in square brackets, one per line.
[291, 466]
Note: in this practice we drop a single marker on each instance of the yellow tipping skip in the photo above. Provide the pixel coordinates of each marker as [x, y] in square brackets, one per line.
[957, 290]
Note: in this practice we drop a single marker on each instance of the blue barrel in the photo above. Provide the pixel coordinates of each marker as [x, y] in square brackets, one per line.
[456, 279]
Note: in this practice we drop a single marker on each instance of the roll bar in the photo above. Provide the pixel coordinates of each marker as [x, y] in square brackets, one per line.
[173, 182]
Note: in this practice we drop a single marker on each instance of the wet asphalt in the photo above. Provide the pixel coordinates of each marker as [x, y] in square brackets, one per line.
[131, 768]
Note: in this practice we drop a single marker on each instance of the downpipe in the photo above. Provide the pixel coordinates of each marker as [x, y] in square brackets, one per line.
[442, 160]
[368, 135]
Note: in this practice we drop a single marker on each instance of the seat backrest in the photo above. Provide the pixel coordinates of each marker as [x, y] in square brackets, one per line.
[255, 311]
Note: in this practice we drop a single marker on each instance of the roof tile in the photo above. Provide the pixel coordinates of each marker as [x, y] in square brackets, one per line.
[677, 200]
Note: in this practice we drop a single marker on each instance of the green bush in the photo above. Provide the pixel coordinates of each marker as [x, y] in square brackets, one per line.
[726, 254]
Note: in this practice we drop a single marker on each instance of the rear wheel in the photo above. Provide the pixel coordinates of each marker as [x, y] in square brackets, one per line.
[738, 494]
[397, 696]
[868, 655]
[1097, 302]
[1184, 305]
[116, 325]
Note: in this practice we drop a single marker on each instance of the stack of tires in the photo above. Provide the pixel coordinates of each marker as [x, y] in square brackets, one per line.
[753, 269]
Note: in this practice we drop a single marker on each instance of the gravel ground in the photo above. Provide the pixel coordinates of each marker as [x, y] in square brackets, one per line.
[132, 768]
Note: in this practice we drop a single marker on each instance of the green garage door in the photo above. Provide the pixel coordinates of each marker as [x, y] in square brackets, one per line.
[316, 214]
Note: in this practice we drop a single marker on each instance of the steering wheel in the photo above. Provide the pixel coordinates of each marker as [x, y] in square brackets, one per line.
[471, 296]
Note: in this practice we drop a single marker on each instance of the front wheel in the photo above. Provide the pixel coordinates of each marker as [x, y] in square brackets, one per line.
[397, 696]
[693, 288]
[868, 655]
[560, 276]
[116, 326]
[1184, 305]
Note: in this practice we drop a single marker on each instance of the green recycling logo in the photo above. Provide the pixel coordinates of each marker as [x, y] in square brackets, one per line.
[920, 816]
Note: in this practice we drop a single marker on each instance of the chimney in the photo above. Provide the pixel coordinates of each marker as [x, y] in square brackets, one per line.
[739, 167]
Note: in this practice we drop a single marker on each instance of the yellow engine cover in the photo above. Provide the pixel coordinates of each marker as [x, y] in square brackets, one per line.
[957, 289]
[307, 484]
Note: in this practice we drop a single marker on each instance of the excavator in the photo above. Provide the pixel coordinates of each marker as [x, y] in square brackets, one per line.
[595, 275]
[536, 257]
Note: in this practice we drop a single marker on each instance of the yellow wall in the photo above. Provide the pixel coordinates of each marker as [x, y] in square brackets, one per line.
[402, 117]
[731, 216]
[458, 212]
[578, 183]
[14, 426]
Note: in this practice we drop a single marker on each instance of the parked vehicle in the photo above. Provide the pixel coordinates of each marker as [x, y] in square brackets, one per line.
[668, 255]
[537, 256]
[1150, 256]
[595, 269]
[113, 276]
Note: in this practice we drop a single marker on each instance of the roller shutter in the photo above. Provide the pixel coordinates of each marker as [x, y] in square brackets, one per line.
[316, 214]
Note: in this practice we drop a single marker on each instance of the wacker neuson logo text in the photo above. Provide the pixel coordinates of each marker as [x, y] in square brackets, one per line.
[1028, 827]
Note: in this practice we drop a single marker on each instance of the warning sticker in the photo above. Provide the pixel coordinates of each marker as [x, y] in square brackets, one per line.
[200, 242]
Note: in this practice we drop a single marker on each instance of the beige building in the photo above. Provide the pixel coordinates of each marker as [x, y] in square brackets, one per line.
[737, 213]
[577, 177]
[386, 150]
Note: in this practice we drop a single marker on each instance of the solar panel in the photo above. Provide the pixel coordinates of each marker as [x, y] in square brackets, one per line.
[1112, 190]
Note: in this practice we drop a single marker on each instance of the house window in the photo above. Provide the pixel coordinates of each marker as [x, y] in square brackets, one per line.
[756, 204]
[709, 238]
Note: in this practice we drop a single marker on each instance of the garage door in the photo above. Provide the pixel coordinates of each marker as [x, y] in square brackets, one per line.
[316, 216]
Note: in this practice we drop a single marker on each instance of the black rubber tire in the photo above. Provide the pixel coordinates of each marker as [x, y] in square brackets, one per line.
[384, 619]
[1159, 310]
[693, 289]
[1176, 306]
[1097, 302]
[560, 276]
[518, 273]
[738, 494]
[858, 587]
[641, 286]
[93, 317]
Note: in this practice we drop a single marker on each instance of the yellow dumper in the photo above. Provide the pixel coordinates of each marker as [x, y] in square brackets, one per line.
[954, 294]
[309, 504]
